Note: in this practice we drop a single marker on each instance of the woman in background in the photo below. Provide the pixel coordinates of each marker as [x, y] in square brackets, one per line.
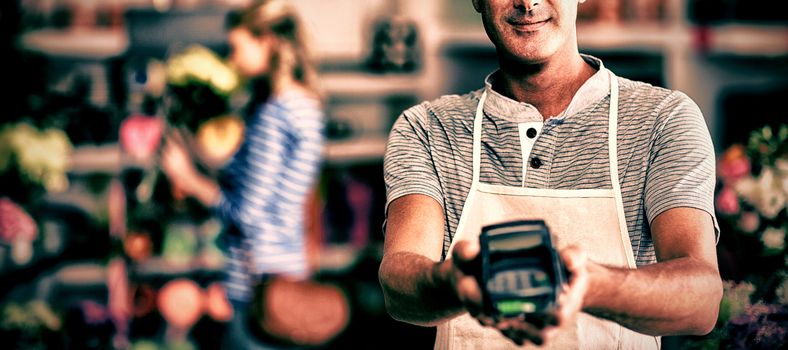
[262, 191]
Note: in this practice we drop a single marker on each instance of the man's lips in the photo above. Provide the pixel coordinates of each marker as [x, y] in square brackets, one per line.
[527, 25]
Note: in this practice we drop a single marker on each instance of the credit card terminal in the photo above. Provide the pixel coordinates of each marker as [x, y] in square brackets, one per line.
[521, 272]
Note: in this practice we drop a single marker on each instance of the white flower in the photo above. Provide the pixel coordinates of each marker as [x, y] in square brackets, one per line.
[782, 169]
[200, 64]
[765, 192]
[772, 199]
[747, 188]
[773, 238]
[41, 155]
[782, 292]
[224, 79]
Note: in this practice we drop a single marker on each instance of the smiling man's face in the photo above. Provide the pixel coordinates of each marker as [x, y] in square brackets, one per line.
[530, 31]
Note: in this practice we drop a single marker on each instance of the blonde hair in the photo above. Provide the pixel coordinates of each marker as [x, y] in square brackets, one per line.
[280, 19]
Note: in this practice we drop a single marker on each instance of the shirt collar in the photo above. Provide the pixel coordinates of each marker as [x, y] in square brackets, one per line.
[593, 90]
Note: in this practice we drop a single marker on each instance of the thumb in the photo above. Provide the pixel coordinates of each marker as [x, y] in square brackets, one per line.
[575, 258]
[466, 257]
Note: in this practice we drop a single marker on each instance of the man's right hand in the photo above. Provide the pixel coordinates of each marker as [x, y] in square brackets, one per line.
[462, 271]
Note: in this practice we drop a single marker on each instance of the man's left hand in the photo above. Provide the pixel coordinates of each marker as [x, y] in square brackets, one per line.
[541, 330]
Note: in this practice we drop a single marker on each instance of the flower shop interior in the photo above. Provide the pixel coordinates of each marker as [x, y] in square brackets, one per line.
[98, 251]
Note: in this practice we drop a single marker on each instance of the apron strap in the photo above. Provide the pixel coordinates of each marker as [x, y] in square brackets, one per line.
[477, 139]
[612, 142]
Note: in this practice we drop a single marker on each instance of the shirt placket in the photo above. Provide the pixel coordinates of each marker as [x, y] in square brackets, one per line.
[540, 160]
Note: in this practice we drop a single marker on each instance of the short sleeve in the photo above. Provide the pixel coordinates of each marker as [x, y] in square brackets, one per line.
[681, 169]
[408, 167]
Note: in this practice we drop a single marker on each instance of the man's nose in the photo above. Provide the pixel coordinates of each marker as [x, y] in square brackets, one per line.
[528, 5]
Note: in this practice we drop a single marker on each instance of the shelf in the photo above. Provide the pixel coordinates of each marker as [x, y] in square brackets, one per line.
[81, 274]
[750, 40]
[468, 36]
[162, 266]
[337, 258]
[601, 36]
[332, 258]
[360, 84]
[95, 159]
[97, 44]
[370, 148]
[108, 158]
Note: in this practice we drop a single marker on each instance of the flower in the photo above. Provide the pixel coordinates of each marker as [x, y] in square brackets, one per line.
[764, 192]
[774, 239]
[42, 156]
[761, 326]
[733, 164]
[218, 138]
[782, 292]
[181, 302]
[752, 201]
[200, 85]
[15, 223]
[727, 201]
[782, 168]
[140, 136]
[735, 298]
[748, 222]
[201, 65]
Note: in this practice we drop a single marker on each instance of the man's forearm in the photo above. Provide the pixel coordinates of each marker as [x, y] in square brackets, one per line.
[679, 296]
[417, 289]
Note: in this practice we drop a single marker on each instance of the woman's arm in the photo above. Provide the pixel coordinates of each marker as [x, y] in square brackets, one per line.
[179, 168]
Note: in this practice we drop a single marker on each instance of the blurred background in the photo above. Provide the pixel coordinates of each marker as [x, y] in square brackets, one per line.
[97, 250]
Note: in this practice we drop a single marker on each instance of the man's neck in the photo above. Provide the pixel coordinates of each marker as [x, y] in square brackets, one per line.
[548, 86]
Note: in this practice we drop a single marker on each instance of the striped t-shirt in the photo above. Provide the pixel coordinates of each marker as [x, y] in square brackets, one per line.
[264, 188]
[666, 158]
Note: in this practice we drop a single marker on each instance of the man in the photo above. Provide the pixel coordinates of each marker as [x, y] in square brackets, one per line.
[622, 173]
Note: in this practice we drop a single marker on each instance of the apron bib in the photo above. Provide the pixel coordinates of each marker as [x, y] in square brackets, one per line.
[592, 219]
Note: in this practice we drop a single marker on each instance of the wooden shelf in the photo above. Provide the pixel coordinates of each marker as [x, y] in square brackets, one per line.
[163, 266]
[749, 40]
[109, 159]
[650, 36]
[96, 159]
[96, 44]
[371, 148]
[361, 84]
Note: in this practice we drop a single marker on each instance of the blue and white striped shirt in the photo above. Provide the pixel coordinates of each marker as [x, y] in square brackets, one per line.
[264, 188]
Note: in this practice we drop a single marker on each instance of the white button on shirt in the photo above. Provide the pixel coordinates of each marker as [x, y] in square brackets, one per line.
[529, 132]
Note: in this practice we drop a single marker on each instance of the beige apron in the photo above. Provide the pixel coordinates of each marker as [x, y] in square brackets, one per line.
[592, 219]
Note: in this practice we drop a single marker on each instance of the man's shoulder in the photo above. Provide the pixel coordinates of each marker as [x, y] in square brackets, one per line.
[447, 106]
[641, 95]
[635, 89]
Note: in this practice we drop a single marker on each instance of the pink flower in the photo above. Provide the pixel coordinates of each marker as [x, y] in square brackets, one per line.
[15, 223]
[727, 201]
[140, 136]
[733, 164]
[749, 222]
